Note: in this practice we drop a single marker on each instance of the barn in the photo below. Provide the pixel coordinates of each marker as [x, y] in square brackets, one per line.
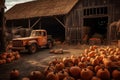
[73, 21]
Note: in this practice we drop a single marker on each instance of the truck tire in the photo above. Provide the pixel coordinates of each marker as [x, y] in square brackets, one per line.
[32, 48]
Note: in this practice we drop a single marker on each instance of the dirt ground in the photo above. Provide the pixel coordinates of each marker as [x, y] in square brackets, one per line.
[39, 61]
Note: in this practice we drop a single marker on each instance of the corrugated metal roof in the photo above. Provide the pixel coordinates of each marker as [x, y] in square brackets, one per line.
[40, 8]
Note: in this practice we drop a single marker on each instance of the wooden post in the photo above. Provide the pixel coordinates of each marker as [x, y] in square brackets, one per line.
[3, 30]
[29, 23]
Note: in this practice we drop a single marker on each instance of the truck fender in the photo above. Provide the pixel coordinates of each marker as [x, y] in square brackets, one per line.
[32, 41]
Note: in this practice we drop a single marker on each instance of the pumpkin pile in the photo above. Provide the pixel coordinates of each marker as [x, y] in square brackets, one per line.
[95, 63]
[8, 57]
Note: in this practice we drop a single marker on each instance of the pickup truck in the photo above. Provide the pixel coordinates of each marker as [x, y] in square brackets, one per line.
[37, 39]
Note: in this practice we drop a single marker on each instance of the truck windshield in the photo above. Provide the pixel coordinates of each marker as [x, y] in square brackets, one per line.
[35, 33]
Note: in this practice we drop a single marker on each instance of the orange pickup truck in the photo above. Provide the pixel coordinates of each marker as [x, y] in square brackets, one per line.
[37, 39]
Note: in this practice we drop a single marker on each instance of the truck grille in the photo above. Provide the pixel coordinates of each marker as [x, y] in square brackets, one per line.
[17, 43]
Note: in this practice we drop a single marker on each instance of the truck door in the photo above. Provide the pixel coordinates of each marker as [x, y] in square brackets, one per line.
[43, 38]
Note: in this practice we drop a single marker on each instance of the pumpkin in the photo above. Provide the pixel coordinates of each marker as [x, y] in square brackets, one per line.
[9, 55]
[48, 69]
[94, 62]
[52, 76]
[17, 56]
[75, 71]
[103, 74]
[84, 59]
[54, 62]
[25, 78]
[82, 64]
[3, 56]
[107, 62]
[91, 54]
[75, 60]
[86, 74]
[68, 62]
[68, 78]
[8, 60]
[51, 51]
[1, 61]
[97, 67]
[36, 75]
[90, 67]
[95, 78]
[59, 66]
[14, 74]
[116, 74]
[62, 74]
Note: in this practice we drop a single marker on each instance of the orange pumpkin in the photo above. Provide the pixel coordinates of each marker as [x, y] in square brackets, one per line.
[36, 75]
[95, 78]
[62, 74]
[86, 74]
[68, 78]
[14, 74]
[52, 76]
[103, 74]
[116, 74]
[68, 62]
[59, 66]
[25, 78]
[75, 71]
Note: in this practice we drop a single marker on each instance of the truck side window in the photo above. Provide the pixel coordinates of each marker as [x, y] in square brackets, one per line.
[43, 34]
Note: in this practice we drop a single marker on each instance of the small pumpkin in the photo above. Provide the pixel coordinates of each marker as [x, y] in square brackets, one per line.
[8, 60]
[59, 66]
[25, 78]
[68, 78]
[68, 62]
[36, 75]
[14, 74]
[17, 56]
[52, 76]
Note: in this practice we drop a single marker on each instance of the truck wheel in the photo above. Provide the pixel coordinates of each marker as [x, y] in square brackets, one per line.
[32, 48]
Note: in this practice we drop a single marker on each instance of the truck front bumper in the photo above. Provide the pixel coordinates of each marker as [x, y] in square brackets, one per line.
[18, 48]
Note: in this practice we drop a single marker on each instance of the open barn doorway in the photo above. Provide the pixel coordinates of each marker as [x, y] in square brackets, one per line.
[53, 27]
[97, 28]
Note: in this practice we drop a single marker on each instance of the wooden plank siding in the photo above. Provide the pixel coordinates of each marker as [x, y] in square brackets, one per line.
[74, 20]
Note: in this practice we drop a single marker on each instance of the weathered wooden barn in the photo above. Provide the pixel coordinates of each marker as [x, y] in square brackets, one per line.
[71, 20]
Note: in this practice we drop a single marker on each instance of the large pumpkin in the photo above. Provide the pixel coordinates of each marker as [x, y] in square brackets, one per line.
[86, 74]
[116, 74]
[103, 74]
[75, 71]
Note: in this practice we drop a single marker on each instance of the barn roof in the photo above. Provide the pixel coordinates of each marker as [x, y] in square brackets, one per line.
[40, 8]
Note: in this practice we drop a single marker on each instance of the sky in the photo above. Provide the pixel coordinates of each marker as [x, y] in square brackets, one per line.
[11, 3]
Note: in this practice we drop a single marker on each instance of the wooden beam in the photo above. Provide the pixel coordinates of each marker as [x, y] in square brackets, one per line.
[29, 23]
[35, 23]
[59, 21]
